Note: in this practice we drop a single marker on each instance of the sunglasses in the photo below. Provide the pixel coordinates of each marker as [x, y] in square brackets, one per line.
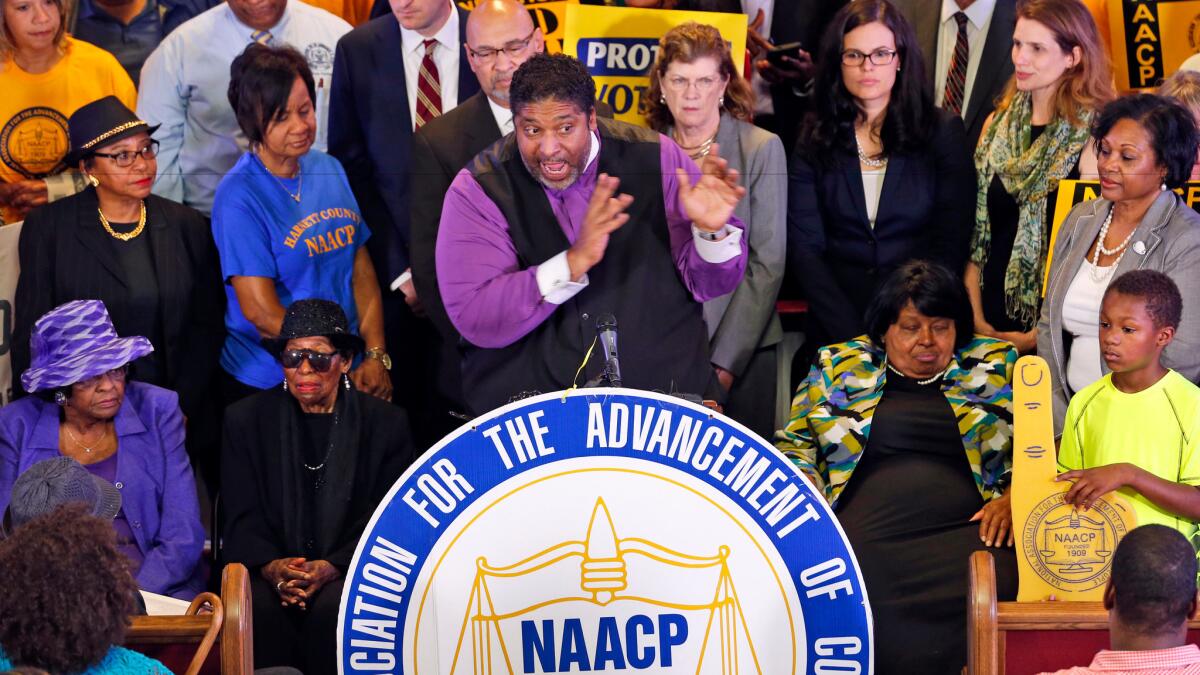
[318, 361]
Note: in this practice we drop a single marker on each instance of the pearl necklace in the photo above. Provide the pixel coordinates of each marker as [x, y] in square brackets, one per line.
[1119, 251]
[868, 161]
[931, 380]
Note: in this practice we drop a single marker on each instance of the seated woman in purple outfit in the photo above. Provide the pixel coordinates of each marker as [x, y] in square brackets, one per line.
[128, 433]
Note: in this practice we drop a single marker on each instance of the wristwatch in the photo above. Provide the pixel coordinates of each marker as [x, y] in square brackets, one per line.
[381, 355]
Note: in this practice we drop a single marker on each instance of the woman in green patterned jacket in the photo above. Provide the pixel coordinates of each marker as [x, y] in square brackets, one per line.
[908, 432]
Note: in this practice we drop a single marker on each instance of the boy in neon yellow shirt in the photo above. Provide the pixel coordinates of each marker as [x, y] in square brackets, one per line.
[1136, 429]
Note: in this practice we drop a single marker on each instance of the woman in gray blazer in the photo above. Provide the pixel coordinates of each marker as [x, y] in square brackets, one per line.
[697, 98]
[1145, 146]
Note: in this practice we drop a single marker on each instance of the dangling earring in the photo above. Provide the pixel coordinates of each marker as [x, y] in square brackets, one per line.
[60, 398]
[285, 385]
[1163, 187]
[346, 381]
[662, 98]
[721, 103]
[95, 182]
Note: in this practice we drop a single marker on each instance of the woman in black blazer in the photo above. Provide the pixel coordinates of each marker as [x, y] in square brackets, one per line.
[879, 176]
[151, 261]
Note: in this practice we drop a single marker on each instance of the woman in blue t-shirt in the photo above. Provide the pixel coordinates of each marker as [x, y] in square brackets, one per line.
[287, 227]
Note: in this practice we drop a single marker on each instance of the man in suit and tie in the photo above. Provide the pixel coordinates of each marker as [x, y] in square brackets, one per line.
[396, 73]
[968, 47]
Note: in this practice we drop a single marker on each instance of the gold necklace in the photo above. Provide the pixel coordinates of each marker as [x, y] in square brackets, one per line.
[696, 152]
[124, 236]
[86, 449]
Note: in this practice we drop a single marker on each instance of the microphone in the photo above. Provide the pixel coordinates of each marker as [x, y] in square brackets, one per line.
[606, 332]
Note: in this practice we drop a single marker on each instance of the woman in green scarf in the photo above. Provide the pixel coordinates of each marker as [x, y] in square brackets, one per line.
[1037, 137]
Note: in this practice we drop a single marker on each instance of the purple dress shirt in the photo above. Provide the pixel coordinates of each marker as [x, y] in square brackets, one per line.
[158, 493]
[493, 302]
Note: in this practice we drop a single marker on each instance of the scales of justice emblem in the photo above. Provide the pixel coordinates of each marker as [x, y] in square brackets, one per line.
[604, 561]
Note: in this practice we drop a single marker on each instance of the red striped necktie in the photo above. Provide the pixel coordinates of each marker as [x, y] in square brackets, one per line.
[956, 78]
[429, 87]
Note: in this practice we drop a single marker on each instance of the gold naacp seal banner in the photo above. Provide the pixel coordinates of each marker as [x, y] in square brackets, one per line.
[1061, 551]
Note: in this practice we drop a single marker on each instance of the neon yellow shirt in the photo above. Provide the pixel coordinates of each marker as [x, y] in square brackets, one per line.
[34, 108]
[1156, 429]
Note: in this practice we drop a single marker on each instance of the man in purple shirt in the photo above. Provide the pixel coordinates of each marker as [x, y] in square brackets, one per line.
[535, 243]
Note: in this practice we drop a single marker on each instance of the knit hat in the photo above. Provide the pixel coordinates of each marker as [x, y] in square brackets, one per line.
[53, 482]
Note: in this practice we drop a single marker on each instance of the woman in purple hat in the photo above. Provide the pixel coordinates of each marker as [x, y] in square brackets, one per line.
[129, 433]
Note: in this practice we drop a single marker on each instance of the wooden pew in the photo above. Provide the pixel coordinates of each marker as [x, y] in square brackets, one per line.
[184, 643]
[1030, 637]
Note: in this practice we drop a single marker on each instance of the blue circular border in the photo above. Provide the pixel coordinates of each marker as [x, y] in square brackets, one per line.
[476, 459]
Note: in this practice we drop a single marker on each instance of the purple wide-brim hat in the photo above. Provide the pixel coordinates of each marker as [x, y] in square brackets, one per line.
[76, 341]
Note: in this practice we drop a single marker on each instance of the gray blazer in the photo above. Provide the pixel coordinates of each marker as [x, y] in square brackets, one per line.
[1169, 234]
[745, 320]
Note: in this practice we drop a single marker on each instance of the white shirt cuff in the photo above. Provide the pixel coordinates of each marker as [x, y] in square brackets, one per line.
[727, 247]
[554, 280]
[401, 280]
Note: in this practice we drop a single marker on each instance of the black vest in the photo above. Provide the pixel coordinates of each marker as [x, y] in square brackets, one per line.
[663, 342]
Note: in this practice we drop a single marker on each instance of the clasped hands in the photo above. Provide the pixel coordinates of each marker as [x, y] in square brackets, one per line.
[708, 203]
[298, 580]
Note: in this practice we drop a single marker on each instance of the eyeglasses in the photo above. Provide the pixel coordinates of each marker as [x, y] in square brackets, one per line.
[513, 49]
[125, 158]
[879, 57]
[679, 84]
[117, 374]
[318, 361]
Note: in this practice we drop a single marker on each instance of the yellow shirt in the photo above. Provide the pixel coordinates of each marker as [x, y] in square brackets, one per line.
[1156, 429]
[34, 108]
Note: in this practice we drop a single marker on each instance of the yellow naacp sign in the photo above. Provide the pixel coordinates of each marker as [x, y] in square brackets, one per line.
[1061, 551]
[619, 44]
[549, 15]
[1150, 38]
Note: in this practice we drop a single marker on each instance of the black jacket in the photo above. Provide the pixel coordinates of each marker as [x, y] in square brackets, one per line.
[66, 255]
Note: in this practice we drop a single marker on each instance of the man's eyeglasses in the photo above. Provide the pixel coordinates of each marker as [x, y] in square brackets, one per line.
[318, 361]
[680, 84]
[116, 375]
[513, 49]
[879, 57]
[125, 158]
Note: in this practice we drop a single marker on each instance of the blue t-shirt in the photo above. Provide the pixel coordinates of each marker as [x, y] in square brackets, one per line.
[118, 661]
[307, 247]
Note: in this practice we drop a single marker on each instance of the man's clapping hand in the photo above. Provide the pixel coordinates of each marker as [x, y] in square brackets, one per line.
[710, 202]
[605, 215]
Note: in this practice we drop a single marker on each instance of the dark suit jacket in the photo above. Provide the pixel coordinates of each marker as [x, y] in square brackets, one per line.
[995, 63]
[440, 150]
[926, 210]
[66, 255]
[370, 132]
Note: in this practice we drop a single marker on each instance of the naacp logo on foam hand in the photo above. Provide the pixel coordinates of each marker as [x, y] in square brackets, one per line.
[604, 531]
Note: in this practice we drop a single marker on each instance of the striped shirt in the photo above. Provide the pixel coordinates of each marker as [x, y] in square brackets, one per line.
[1183, 660]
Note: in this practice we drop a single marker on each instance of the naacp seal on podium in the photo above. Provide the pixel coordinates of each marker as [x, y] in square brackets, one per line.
[607, 530]
[1070, 548]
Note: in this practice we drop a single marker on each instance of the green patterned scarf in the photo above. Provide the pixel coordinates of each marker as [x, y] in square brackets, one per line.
[1029, 172]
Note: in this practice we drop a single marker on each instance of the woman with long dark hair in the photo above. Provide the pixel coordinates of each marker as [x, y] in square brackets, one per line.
[879, 176]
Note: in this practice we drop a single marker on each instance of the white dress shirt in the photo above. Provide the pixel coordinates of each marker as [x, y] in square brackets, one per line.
[185, 85]
[504, 117]
[445, 57]
[979, 18]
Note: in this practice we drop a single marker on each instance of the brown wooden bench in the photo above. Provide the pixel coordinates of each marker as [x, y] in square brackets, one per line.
[1030, 637]
[184, 643]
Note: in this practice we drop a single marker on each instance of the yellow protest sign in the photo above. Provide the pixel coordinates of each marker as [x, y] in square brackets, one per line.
[1061, 551]
[1150, 38]
[549, 15]
[619, 44]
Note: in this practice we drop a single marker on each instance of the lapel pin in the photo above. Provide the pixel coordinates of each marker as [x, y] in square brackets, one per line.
[1139, 248]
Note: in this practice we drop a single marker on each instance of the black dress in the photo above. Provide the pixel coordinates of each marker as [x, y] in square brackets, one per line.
[1003, 213]
[906, 512]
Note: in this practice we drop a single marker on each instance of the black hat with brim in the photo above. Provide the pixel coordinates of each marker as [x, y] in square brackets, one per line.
[100, 123]
[315, 318]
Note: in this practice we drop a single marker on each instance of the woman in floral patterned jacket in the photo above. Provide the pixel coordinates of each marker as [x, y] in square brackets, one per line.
[919, 412]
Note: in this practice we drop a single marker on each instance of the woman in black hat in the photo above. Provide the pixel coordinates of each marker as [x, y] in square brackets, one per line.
[305, 465]
[151, 261]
